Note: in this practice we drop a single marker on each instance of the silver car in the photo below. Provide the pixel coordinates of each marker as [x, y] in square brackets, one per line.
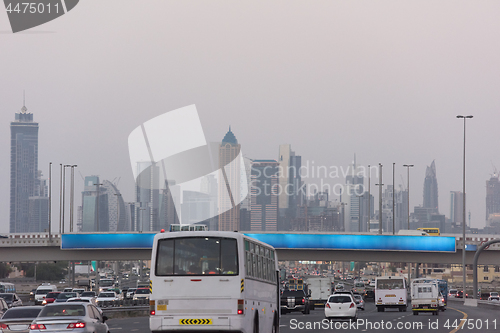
[77, 317]
[18, 319]
[360, 302]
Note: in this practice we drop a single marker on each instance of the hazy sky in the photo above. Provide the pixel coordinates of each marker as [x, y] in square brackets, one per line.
[382, 79]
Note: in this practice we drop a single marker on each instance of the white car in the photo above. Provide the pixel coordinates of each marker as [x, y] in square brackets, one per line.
[339, 286]
[341, 305]
[494, 296]
[106, 296]
[372, 283]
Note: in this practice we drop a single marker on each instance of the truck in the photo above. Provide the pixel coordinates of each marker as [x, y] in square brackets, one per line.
[294, 300]
[425, 296]
[320, 288]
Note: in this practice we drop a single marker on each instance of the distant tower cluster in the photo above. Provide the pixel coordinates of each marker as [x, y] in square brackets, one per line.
[29, 202]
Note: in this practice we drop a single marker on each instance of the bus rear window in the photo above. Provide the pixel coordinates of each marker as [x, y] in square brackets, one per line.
[196, 256]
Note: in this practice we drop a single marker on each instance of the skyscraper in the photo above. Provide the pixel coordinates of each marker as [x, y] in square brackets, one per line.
[147, 195]
[456, 208]
[492, 195]
[431, 189]
[229, 183]
[264, 196]
[24, 179]
[290, 194]
[95, 216]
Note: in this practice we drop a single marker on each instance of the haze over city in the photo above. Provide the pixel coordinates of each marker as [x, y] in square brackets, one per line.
[383, 80]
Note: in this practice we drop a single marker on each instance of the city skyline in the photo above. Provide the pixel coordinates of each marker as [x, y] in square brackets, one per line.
[369, 79]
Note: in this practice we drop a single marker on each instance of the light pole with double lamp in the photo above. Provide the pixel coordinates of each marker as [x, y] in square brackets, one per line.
[464, 268]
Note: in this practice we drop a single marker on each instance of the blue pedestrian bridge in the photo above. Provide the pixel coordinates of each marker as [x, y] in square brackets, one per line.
[289, 246]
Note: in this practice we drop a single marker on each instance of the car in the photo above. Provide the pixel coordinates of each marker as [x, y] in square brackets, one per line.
[79, 291]
[460, 294]
[11, 299]
[341, 305]
[372, 283]
[494, 296]
[130, 292]
[360, 302]
[50, 297]
[79, 317]
[18, 319]
[32, 294]
[339, 286]
[63, 297]
[141, 293]
[106, 296]
[67, 290]
[452, 292]
[3, 307]
[294, 301]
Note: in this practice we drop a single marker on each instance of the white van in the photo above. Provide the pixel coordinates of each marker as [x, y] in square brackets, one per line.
[42, 291]
[404, 232]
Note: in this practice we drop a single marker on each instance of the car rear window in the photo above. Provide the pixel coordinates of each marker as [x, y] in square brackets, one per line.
[340, 299]
[21, 312]
[62, 310]
[142, 291]
[7, 297]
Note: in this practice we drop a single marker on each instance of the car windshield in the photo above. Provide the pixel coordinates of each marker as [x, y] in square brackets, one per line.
[62, 310]
[494, 294]
[142, 291]
[106, 295]
[22, 312]
[52, 295]
[7, 297]
[339, 299]
[358, 297]
[131, 290]
[66, 295]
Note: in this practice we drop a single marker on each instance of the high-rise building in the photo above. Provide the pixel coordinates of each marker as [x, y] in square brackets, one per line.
[456, 208]
[24, 176]
[290, 195]
[95, 216]
[264, 195]
[354, 187]
[147, 196]
[230, 174]
[431, 189]
[492, 195]
[116, 207]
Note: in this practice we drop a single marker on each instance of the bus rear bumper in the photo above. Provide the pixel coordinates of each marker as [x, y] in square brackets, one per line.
[194, 324]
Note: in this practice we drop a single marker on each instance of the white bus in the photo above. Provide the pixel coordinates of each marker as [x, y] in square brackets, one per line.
[390, 292]
[213, 281]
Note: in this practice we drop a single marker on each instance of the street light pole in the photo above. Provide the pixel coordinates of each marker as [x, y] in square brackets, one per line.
[464, 268]
[72, 197]
[64, 193]
[408, 166]
[369, 199]
[393, 194]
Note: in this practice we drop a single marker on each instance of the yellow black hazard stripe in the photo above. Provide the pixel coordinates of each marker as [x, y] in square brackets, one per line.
[195, 321]
[242, 285]
[150, 286]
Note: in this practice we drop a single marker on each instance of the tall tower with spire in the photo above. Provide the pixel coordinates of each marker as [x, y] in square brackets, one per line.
[431, 189]
[24, 174]
[229, 173]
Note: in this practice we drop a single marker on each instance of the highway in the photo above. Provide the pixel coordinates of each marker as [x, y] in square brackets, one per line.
[475, 319]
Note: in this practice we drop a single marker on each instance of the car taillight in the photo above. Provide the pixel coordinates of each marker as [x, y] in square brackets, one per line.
[76, 325]
[240, 309]
[352, 305]
[328, 305]
[3, 327]
[303, 300]
[38, 327]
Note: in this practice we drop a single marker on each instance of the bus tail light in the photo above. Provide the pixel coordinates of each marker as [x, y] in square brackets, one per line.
[152, 307]
[240, 306]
